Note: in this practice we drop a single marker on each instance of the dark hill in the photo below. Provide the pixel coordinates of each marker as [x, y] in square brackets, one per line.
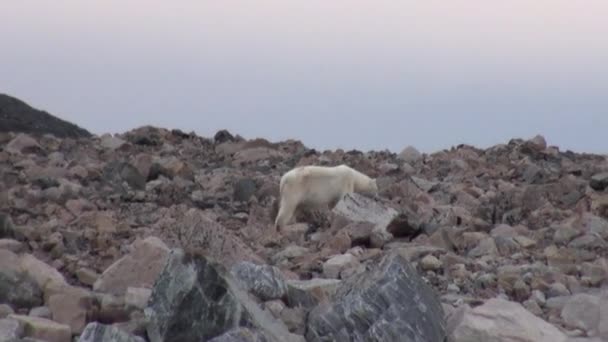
[18, 116]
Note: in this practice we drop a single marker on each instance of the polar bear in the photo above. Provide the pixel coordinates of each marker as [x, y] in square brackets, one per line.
[314, 186]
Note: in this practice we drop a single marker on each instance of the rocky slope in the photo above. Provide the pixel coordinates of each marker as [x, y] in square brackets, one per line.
[162, 235]
[18, 116]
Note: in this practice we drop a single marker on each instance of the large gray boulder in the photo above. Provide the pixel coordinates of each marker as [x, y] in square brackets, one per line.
[196, 299]
[389, 302]
[97, 332]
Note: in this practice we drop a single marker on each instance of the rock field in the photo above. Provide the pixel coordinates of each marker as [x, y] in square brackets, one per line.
[161, 235]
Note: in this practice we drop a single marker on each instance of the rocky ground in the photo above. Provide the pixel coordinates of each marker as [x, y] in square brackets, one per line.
[159, 235]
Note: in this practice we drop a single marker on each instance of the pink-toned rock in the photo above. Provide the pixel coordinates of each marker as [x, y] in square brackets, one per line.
[501, 320]
[78, 206]
[44, 329]
[71, 307]
[11, 245]
[136, 269]
[78, 171]
[338, 263]
[40, 271]
[143, 163]
[410, 154]
[24, 144]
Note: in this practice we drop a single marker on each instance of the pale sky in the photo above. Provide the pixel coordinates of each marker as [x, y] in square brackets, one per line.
[335, 74]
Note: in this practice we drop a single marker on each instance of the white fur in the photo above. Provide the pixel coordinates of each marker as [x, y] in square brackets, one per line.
[319, 186]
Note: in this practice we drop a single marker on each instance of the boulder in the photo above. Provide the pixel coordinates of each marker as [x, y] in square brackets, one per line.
[136, 269]
[500, 320]
[264, 281]
[97, 332]
[599, 181]
[10, 329]
[195, 299]
[19, 290]
[390, 302]
[44, 329]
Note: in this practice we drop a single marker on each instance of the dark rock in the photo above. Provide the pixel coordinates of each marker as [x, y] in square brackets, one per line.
[390, 302]
[7, 229]
[19, 290]
[145, 136]
[132, 176]
[241, 335]
[18, 116]
[96, 332]
[244, 189]
[404, 225]
[264, 281]
[599, 181]
[223, 136]
[195, 299]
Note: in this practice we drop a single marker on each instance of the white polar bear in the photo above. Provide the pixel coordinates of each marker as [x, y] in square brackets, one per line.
[319, 186]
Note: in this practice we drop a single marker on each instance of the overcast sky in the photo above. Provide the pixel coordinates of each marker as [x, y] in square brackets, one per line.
[334, 74]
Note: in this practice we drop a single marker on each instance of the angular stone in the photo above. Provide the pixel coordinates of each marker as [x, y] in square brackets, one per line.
[40, 271]
[11, 245]
[19, 290]
[5, 310]
[111, 142]
[338, 263]
[500, 320]
[241, 334]
[10, 330]
[87, 276]
[582, 311]
[71, 307]
[24, 144]
[359, 208]
[7, 228]
[44, 329]
[97, 332]
[41, 311]
[263, 281]
[137, 297]
[524, 241]
[196, 299]
[136, 269]
[486, 246]
[390, 302]
[599, 181]
[244, 189]
[309, 293]
[430, 263]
